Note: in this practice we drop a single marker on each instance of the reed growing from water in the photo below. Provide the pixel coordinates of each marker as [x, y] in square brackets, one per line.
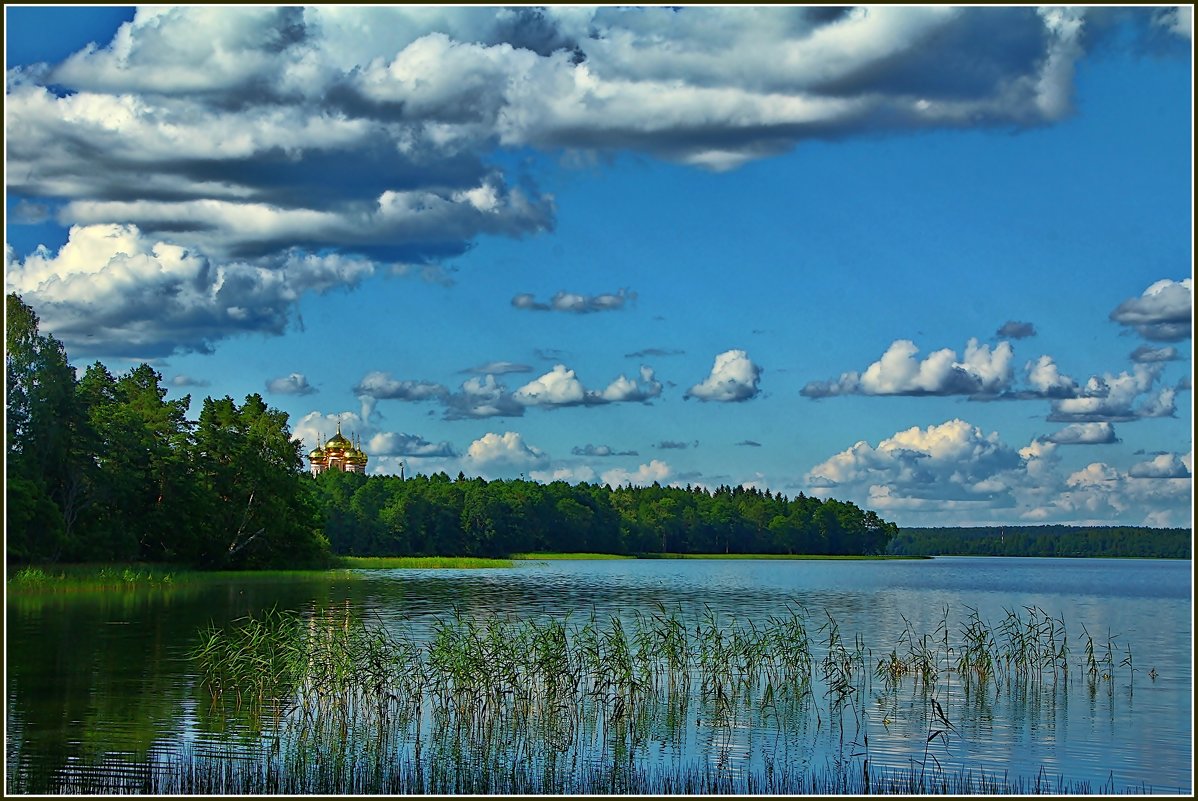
[82, 578]
[489, 694]
[470, 659]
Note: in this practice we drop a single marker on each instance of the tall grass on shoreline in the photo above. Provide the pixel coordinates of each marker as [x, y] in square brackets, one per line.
[82, 578]
[101, 577]
[419, 562]
[548, 556]
[779, 556]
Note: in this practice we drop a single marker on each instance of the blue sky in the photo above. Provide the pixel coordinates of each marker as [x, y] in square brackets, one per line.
[934, 261]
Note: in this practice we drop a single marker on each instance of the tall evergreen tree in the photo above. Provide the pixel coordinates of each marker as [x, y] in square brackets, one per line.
[258, 507]
[44, 467]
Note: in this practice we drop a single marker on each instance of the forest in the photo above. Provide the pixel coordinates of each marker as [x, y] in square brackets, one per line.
[434, 515]
[1114, 541]
[105, 468]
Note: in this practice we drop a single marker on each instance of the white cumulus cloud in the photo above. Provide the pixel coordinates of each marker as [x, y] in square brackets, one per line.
[1178, 20]
[112, 289]
[982, 371]
[570, 475]
[632, 390]
[1085, 434]
[1118, 398]
[293, 384]
[482, 396]
[955, 473]
[1164, 465]
[951, 461]
[559, 387]
[575, 302]
[1046, 379]
[382, 386]
[644, 475]
[1146, 354]
[1162, 313]
[504, 454]
[734, 377]
[390, 443]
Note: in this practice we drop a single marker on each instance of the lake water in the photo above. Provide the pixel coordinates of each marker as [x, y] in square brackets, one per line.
[103, 683]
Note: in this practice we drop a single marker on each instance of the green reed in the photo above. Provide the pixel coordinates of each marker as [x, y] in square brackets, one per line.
[977, 657]
[253, 659]
[487, 692]
[84, 578]
[491, 661]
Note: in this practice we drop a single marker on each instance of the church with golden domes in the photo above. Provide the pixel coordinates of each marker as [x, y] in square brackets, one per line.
[338, 454]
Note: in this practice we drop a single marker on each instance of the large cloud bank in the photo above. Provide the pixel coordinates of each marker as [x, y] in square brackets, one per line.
[955, 472]
[247, 155]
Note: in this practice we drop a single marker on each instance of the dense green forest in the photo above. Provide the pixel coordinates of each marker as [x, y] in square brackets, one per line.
[103, 467]
[434, 515]
[1164, 543]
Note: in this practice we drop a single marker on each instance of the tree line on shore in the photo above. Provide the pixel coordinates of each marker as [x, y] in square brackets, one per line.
[436, 515]
[1047, 540]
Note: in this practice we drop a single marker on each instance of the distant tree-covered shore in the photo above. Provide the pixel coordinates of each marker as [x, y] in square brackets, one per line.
[1048, 540]
[439, 516]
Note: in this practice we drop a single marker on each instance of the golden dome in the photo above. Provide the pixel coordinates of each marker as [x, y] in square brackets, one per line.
[316, 454]
[338, 442]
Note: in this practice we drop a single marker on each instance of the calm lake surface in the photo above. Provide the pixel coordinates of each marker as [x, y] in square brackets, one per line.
[103, 683]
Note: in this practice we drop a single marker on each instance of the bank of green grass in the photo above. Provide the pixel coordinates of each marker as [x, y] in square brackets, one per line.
[136, 576]
[790, 557]
[101, 577]
[419, 562]
[551, 556]
[84, 577]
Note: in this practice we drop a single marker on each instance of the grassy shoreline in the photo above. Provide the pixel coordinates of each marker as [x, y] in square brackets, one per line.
[420, 562]
[101, 577]
[551, 556]
[777, 556]
[94, 577]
